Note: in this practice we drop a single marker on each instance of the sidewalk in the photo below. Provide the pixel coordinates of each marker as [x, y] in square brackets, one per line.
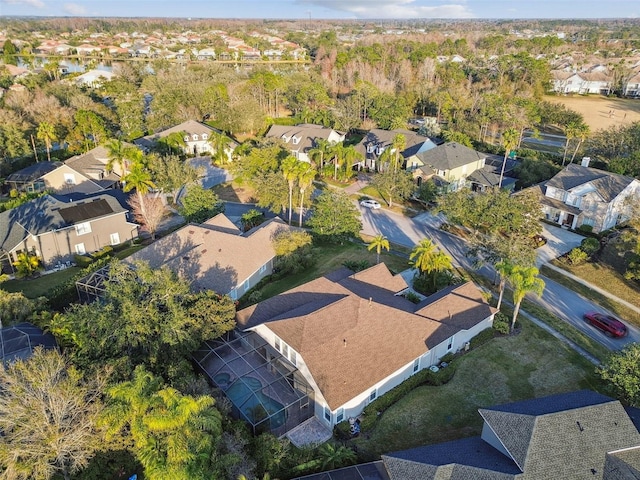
[593, 287]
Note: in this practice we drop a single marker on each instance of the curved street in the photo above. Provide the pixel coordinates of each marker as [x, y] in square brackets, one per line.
[559, 300]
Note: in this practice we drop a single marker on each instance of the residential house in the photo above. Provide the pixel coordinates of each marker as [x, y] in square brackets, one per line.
[353, 337]
[196, 136]
[57, 227]
[29, 179]
[17, 342]
[581, 82]
[632, 85]
[376, 141]
[489, 175]
[450, 165]
[85, 173]
[579, 195]
[216, 255]
[93, 78]
[302, 138]
[572, 436]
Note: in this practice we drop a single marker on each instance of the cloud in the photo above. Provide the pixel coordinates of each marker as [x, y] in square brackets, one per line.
[74, 9]
[393, 8]
[30, 3]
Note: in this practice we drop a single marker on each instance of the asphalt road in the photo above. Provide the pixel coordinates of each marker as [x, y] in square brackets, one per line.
[562, 302]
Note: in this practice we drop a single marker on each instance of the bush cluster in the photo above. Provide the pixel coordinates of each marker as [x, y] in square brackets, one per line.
[501, 324]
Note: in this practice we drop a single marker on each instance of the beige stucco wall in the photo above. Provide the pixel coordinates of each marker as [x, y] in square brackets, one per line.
[55, 181]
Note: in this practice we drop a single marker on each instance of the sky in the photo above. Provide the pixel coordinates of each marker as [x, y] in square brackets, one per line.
[326, 9]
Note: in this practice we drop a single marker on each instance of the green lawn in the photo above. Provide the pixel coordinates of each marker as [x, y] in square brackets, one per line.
[39, 287]
[527, 365]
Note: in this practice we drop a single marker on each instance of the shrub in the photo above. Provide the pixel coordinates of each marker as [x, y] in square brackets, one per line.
[577, 256]
[412, 297]
[342, 430]
[585, 228]
[590, 246]
[501, 323]
[83, 261]
[482, 338]
[61, 296]
[103, 252]
[356, 265]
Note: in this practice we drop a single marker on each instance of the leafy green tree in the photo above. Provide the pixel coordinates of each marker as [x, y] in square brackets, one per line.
[121, 154]
[170, 173]
[621, 372]
[291, 168]
[174, 435]
[146, 316]
[272, 192]
[379, 242]
[90, 127]
[332, 456]
[200, 204]
[320, 152]
[334, 217]
[252, 218]
[15, 307]
[172, 144]
[287, 242]
[48, 417]
[9, 52]
[394, 184]
[523, 280]
[47, 133]
[429, 260]
[504, 269]
[458, 137]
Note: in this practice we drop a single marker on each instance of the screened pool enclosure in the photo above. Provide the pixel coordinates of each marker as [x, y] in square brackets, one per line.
[265, 389]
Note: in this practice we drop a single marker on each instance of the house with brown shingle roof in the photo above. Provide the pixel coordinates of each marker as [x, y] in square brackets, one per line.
[299, 139]
[354, 338]
[216, 255]
[580, 195]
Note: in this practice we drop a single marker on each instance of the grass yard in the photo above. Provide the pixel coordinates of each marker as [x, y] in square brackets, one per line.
[329, 258]
[39, 287]
[528, 365]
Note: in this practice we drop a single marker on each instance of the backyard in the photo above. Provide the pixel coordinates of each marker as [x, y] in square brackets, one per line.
[506, 369]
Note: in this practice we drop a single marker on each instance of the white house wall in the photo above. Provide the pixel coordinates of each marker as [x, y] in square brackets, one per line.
[354, 407]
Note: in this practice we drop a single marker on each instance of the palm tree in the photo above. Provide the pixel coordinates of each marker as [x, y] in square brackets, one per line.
[140, 179]
[321, 150]
[510, 140]
[338, 157]
[306, 175]
[350, 156]
[290, 170]
[121, 154]
[379, 242]
[220, 143]
[335, 457]
[398, 144]
[523, 280]
[581, 132]
[47, 133]
[504, 269]
[429, 259]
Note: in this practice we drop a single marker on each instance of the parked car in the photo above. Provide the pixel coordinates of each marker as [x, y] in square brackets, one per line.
[368, 203]
[611, 326]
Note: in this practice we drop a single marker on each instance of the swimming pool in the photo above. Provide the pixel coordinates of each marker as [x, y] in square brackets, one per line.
[222, 379]
[246, 396]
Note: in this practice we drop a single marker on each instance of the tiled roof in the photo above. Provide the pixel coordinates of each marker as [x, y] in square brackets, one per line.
[343, 326]
[608, 185]
[449, 156]
[214, 255]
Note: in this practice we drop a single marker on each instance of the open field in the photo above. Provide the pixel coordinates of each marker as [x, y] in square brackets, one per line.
[517, 367]
[595, 109]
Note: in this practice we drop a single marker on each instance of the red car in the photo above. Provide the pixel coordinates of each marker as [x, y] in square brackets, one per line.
[611, 326]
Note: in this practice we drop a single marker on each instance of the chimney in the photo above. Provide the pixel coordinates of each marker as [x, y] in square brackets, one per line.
[344, 341]
[585, 161]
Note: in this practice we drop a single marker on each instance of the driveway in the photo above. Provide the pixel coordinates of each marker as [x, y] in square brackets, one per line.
[212, 175]
[559, 242]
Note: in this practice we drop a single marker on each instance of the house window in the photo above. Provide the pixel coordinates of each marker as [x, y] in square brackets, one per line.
[83, 228]
[327, 414]
[293, 357]
[186, 138]
[195, 137]
[263, 268]
[450, 344]
[416, 365]
[277, 344]
[245, 285]
[373, 395]
[285, 350]
[205, 136]
[370, 148]
[114, 238]
[69, 179]
[296, 140]
[80, 249]
[234, 294]
[340, 415]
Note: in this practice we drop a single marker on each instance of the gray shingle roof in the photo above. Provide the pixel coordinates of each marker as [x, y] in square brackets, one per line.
[306, 133]
[449, 156]
[33, 172]
[51, 212]
[378, 137]
[608, 185]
